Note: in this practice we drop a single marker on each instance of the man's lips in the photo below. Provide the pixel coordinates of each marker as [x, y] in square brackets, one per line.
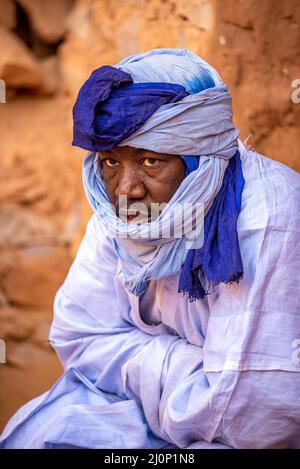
[130, 215]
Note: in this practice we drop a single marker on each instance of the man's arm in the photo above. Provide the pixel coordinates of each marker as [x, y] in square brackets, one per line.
[89, 333]
[88, 330]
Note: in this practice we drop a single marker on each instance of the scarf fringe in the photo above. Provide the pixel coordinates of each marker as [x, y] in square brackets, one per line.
[198, 291]
[220, 224]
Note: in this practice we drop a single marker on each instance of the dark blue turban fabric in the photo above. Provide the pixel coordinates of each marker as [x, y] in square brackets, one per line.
[191, 163]
[219, 259]
[110, 107]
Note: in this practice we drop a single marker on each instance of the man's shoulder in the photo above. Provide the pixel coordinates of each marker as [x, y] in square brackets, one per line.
[96, 229]
[271, 193]
[261, 167]
[97, 244]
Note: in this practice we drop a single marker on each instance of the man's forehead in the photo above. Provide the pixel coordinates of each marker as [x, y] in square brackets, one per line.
[126, 151]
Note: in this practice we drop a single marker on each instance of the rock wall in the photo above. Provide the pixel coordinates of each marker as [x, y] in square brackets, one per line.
[40, 193]
[48, 48]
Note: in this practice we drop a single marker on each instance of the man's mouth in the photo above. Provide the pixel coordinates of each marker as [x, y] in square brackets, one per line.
[130, 216]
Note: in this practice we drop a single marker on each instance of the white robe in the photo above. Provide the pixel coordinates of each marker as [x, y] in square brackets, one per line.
[162, 372]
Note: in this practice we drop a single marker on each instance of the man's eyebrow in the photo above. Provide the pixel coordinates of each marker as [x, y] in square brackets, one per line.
[108, 152]
[152, 154]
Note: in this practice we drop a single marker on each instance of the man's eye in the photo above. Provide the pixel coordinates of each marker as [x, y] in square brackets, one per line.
[150, 162]
[110, 162]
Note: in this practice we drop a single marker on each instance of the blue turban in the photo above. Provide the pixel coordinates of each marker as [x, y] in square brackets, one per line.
[169, 101]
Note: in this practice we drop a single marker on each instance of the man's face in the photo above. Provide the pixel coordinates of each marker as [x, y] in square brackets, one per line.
[141, 177]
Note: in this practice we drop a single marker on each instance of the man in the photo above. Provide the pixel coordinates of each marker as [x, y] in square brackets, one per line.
[186, 341]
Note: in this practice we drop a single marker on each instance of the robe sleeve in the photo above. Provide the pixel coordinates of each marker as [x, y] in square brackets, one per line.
[88, 331]
[90, 334]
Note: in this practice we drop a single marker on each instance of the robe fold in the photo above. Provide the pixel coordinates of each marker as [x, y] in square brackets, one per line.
[158, 371]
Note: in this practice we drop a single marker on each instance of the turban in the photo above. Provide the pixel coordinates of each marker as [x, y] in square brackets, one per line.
[168, 101]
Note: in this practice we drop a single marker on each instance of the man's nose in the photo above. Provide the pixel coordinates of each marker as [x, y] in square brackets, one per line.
[130, 185]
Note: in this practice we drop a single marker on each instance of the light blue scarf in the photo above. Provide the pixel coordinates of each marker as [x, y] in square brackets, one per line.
[200, 125]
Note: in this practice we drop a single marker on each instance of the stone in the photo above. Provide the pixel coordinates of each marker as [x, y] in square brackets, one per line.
[15, 324]
[47, 17]
[3, 300]
[8, 13]
[41, 335]
[25, 355]
[50, 75]
[19, 226]
[21, 384]
[42, 175]
[18, 66]
[37, 273]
